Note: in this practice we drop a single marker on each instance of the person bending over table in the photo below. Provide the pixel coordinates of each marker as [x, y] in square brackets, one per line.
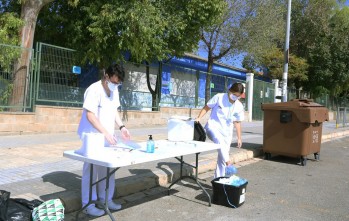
[227, 112]
[101, 100]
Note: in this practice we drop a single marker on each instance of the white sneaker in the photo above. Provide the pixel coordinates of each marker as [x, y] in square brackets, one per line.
[93, 211]
[113, 206]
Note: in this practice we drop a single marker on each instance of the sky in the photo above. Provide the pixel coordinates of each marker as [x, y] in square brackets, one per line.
[236, 62]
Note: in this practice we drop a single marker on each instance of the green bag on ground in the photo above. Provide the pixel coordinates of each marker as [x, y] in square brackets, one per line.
[51, 210]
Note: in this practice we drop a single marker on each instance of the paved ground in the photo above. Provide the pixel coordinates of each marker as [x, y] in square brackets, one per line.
[278, 189]
[32, 166]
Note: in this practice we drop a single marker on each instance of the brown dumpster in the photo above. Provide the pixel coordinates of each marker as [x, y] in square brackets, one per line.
[293, 128]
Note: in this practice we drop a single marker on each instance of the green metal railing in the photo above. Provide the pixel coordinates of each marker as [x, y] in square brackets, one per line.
[15, 78]
[55, 83]
[263, 92]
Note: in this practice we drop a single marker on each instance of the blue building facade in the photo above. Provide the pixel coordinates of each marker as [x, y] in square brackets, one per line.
[222, 75]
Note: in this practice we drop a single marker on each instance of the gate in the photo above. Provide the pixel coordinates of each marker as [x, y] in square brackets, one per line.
[55, 83]
[263, 92]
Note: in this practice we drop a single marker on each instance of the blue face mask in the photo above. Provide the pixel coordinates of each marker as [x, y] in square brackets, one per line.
[233, 97]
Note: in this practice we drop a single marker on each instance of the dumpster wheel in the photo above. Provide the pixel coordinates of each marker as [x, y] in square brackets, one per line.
[267, 156]
[303, 161]
[317, 156]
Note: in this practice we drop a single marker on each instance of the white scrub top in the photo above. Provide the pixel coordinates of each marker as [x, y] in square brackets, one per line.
[105, 108]
[223, 114]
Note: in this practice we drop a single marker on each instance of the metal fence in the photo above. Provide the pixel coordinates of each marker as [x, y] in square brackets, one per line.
[332, 103]
[52, 81]
[15, 78]
[49, 80]
[342, 117]
[263, 92]
[55, 83]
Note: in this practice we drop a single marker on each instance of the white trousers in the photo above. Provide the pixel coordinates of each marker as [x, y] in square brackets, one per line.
[98, 193]
[223, 152]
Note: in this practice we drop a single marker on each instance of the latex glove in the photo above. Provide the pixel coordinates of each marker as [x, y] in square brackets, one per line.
[111, 139]
[125, 133]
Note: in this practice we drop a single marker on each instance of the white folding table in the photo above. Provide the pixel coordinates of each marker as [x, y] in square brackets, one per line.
[113, 158]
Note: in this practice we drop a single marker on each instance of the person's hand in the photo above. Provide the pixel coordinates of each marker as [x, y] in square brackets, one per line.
[239, 143]
[110, 138]
[197, 119]
[125, 133]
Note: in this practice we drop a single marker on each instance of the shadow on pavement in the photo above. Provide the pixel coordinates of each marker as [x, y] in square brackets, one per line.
[66, 180]
[247, 145]
[290, 160]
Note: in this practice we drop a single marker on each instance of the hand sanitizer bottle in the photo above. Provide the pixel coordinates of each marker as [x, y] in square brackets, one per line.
[150, 144]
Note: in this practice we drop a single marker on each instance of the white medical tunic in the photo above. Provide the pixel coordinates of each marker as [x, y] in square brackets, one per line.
[219, 127]
[97, 101]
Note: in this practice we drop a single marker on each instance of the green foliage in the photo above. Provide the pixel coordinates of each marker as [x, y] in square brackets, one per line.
[245, 27]
[10, 23]
[329, 57]
[248, 27]
[103, 30]
[272, 61]
[6, 89]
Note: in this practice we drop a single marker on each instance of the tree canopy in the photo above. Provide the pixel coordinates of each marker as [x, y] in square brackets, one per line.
[10, 23]
[245, 27]
[329, 58]
[104, 30]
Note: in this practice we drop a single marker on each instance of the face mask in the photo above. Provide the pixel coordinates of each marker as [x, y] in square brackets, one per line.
[233, 97]
[112, 86]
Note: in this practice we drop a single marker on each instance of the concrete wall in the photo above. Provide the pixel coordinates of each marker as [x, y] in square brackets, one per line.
[52, 119]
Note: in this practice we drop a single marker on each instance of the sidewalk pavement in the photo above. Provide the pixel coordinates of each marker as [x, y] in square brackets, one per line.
[33, 167]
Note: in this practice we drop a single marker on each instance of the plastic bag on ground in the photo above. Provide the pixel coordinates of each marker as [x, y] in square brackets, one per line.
[4, 200]
[51, 210]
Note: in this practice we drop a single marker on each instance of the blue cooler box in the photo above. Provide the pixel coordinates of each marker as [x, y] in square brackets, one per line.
[228, 195]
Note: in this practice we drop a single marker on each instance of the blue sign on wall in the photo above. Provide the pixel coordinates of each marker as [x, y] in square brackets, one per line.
[76, 70]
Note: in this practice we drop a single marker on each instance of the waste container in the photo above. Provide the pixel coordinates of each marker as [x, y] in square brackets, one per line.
[227, 194]
[293, 128]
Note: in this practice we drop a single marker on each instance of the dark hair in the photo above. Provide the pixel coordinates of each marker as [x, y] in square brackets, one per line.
[117, 70]
[237, 87]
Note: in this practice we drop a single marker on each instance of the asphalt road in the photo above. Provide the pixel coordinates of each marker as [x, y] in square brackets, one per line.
[278, 189]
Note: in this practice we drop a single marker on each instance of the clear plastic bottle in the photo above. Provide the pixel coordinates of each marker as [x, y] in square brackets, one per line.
[150, 144]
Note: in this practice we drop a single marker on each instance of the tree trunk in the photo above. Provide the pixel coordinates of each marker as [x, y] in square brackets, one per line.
[29, 14]
[208, 78]
[156, 93]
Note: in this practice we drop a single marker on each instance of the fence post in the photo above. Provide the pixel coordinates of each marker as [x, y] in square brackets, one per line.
[197, 82]
[344, 116]
[276, 89]
[249, 81]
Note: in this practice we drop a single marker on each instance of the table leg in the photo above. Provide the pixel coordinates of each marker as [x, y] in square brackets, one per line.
[90, 201]
[195, 178]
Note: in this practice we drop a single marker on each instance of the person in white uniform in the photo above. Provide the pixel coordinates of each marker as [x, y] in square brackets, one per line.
[226, 112]
[101, 100]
